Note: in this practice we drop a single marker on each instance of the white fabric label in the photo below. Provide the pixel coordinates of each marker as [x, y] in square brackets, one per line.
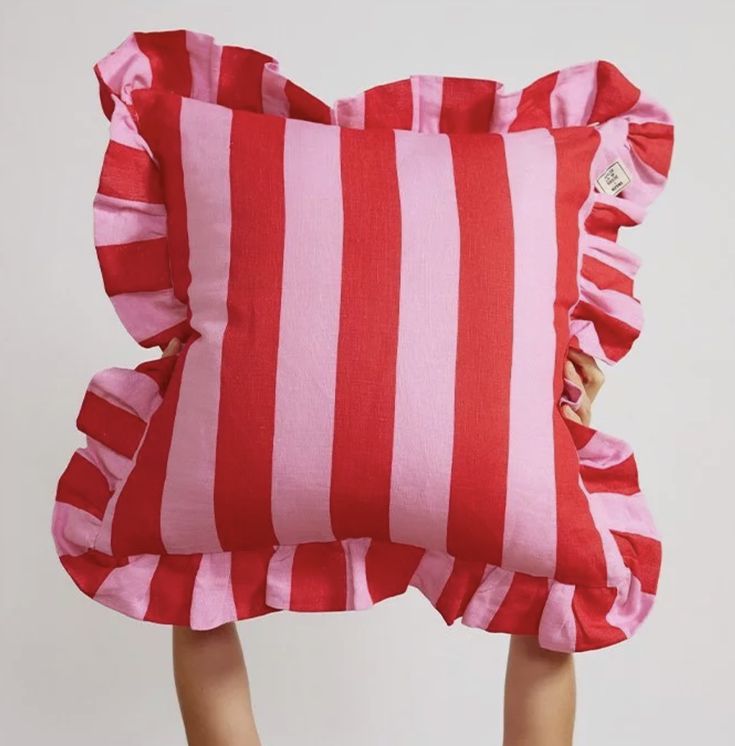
[613, 179]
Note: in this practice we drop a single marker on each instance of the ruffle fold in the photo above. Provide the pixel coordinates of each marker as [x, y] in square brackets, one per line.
[131, 235]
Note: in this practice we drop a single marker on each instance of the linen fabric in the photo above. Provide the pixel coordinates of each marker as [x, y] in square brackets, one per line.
[376, 299]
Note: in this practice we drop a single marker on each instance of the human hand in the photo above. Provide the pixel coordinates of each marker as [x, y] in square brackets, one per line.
[172, 347]
[582, 370]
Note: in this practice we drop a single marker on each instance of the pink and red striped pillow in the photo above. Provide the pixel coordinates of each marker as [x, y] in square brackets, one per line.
[376, 301]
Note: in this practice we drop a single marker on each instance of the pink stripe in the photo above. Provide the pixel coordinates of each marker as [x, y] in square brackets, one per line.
[275, 100]
[574, 95]
[127, 589]
[307, 349]
[124, 130]
[612, 253]
[112, 464]
[488, 597]
[432, 574]
[588, 339]
[628, 513]
[617, 571]
[631, 607]
[350, 112]
[558, 627]
[358, 594]
[529, 540]
[147, 313]
[647, 109]
[73, 529]
[126, 63]
[119, 221]
[613, 303]
[212, 601]
[635, 211]
[646, 182]
[427, 102]
[427, 341]
[204, 59]
[504, 109]
[187, 509]
[603, 451]
[278, 582]
[133, 391]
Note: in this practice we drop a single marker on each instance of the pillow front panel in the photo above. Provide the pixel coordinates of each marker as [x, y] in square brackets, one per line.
[380, 320]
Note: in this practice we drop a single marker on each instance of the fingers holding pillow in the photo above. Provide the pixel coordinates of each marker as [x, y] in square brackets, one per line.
[582, 370]
[172, 347]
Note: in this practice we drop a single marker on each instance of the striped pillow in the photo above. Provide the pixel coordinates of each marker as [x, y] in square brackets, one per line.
[376, 301]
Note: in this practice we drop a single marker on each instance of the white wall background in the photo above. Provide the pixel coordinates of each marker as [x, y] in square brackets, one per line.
[74, 672]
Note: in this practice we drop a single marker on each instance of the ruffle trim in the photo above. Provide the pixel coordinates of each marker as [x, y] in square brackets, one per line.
[149, 295]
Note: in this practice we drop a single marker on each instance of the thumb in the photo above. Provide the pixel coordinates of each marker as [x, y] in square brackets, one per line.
[172, 347]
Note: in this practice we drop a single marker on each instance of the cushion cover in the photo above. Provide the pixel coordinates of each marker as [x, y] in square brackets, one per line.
[376, 300]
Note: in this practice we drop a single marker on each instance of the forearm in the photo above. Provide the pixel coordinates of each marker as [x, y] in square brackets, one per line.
[212, 687]
[540, 694]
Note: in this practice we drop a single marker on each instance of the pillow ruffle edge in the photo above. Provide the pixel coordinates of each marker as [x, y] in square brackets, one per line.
[204, 591]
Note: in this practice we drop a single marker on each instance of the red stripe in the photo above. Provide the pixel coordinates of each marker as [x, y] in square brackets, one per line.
[304, 105]
[249, 572]
[182, 330]
[590, 607]
[368, 335]
[615, 93]
[534, 107]
[467, 105]
[642, 554]
[169, 59]
[390, 567]
[575, 526]
[605, 276]
[605, 220]
[616, 337]
[136, 524]
[621, 479]
[319, 577]
[485, 328]
[653, 143]
[83, 485]
[171, 590]
[129, 173]
[521, 609]
[581, 434]
[242, 486]
[389, 105]
[241, 78]
[89, 570]
[159, 369]
[158, 122]
[134, 267]
[113, 426]
[459, 589]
